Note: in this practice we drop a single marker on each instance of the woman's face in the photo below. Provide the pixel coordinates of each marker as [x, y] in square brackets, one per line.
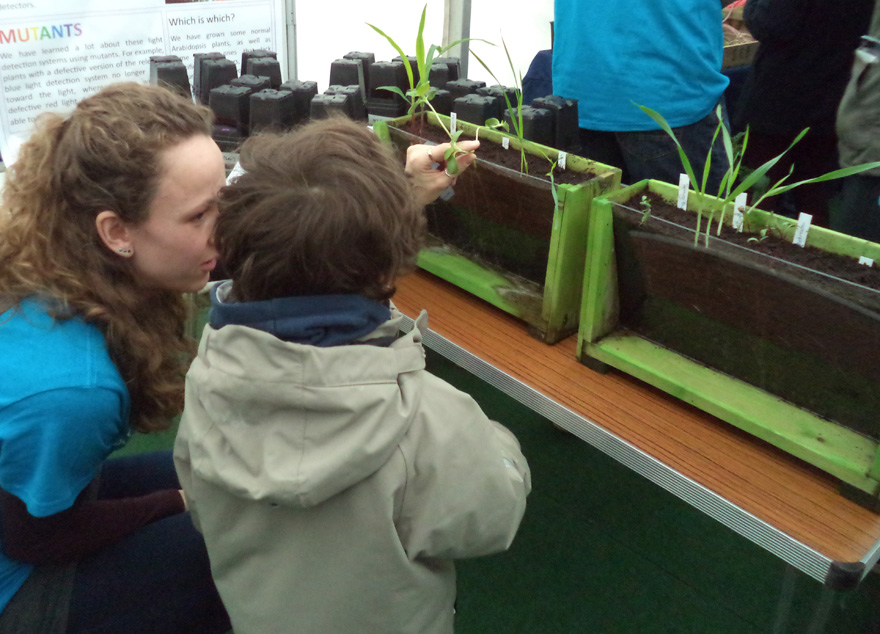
[174, 248]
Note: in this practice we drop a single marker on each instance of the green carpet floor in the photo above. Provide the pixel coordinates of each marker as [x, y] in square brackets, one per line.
[604, 551]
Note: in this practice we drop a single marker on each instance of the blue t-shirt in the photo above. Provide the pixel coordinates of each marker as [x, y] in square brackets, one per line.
[63, 408]
[664, 54]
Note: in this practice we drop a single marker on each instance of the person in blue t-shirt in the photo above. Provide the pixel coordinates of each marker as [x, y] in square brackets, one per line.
[665, 55]
[107, 222]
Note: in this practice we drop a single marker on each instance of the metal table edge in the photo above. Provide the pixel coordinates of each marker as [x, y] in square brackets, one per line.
[780, 544]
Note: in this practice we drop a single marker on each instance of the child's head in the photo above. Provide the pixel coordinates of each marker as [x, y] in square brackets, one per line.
[325, 209]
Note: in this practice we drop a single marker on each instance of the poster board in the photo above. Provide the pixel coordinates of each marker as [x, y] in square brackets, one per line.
[53, 53]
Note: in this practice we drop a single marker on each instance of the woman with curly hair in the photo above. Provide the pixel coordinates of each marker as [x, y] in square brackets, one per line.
[106, 221]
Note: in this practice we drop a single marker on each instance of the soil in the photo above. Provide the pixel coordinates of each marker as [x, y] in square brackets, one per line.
[777, 246]
[773, 245]
[494, 153]
[808, 338]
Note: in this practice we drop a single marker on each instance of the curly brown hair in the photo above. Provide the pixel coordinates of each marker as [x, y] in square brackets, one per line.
[104, 156]
[325, 209]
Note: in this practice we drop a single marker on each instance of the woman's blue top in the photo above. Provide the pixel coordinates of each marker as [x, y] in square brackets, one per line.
[63, 409]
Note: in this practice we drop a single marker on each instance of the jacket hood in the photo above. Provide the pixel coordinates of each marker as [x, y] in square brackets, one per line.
[296, 424]
[317, 320]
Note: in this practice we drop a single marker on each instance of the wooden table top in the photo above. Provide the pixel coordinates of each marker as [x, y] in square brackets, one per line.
[786, 493]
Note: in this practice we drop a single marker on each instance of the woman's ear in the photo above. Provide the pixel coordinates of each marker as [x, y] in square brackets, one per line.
[114, 233]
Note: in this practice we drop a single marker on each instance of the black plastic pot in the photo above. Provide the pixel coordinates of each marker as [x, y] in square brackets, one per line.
[366, 60]
[231, 106]
[463, 87]
[478, 108]
[347, 72]
[454, 66]
[565, 121]
[499, 92]
[538, 125]
[354, 107]
[326, 104]
[442, 102]
[171, 75]
[438, 76]
[265, 67]
[272, 110]
[254, 54]
[199, 60]
[252, 82]
[161, 59]
[413, 63]
[384, 103]
[303, 93]
[387, 74]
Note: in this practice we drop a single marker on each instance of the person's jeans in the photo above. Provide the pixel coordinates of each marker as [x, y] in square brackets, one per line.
[653, 154]
[860, 207]
[156, 580]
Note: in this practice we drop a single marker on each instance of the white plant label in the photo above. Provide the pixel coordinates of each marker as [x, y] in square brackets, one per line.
[803, 228]
[739, 211]
[683, 184]
[560, 160]
[866, 261]
[453, 121]
[505, 143]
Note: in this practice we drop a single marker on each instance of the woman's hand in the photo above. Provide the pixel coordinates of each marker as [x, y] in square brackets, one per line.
[427, 168]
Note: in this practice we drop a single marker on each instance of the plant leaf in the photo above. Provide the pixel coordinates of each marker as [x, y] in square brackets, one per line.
[759, 172]
[403, 56]
[841, 173]
[685, 163]
[420, 47]
[395, 90]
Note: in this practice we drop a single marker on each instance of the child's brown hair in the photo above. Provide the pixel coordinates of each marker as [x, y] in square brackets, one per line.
[325, 209]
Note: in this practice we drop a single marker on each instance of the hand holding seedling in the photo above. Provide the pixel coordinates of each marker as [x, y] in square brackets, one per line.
[421, 92]
[427, 166]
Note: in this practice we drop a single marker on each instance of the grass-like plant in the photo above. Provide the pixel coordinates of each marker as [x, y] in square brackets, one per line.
[516, 116]
[421, 92]
[729, 188]
[645, 204]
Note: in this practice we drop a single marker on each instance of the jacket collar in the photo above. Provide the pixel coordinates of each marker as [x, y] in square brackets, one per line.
[317, 320]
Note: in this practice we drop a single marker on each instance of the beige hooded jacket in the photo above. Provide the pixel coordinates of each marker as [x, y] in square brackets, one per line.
[334, 486]
[858, 117]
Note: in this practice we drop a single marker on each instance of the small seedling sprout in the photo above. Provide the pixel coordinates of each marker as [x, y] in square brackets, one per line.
[727, 192]
[553, 187]
[645, 204]
[420, 93]
[516, 116]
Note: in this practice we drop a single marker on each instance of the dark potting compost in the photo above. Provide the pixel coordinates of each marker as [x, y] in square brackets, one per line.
[799, 323]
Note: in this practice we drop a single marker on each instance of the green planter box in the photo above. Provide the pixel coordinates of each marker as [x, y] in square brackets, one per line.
[501, 237]
[792, 359]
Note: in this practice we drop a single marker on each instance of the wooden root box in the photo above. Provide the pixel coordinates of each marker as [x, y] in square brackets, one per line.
[501, 238]
[793, 360]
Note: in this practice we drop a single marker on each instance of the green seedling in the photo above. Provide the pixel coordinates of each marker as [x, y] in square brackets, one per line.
[764, 233]
[553, 188]
[729, 187]
[645, 204]
[516, 116]
[421, 92]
